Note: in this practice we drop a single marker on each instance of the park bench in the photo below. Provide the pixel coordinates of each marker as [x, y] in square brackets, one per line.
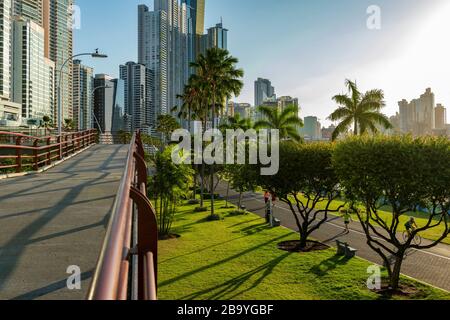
[343, 249]
[276, 222]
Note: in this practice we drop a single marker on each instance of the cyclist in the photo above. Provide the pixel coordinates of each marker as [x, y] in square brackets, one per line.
[347, 219]
[410, 226]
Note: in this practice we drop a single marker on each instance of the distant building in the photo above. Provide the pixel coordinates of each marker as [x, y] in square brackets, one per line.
[286, 101]
[83, 86]
[441, 117]
[5, 50]
[243, 109]
[418, 116]
[139, 109]
[109, 104]
[56, 14]
[263, 91]
[327, 133]
[10, 114]
[33, 73]
[216, 37]
[312, 129]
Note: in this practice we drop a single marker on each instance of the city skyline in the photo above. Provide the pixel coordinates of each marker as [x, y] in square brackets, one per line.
[309, 58]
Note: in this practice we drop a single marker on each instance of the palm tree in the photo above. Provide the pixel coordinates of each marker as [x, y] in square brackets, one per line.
[361, 110]
[236, 122]
[286, 121]
[218, 78]
[69, 124]
[46, 124]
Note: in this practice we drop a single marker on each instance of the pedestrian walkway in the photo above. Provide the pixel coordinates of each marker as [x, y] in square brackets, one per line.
[54, 220]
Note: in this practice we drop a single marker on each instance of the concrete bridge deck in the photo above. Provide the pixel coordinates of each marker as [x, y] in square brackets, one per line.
[54, 220]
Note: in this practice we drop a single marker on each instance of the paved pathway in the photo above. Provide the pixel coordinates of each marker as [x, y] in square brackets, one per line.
[430, 266]
[54, 220]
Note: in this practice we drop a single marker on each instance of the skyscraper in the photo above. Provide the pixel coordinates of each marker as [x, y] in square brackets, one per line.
[139, 111]
[168, 41]
[33, 74]
[31, 9]
[441, 117]
[417, 117]
[83, 85]
[5, 49]
[57, 23]
[263, 90]
[312, 129]
[109, 104]
[216, 37]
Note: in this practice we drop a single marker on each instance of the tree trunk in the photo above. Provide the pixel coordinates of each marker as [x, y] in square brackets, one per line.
[228, 193]
[355, 130]
[240, 200]
[303, 239]
[212, 166]
[395, 275]
[202, 185]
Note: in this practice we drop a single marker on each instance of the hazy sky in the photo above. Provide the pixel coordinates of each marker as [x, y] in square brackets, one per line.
[307, 48]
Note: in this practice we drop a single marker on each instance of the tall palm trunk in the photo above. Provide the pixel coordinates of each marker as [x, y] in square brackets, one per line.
[212, 165]
[202, 175]
[356, 128]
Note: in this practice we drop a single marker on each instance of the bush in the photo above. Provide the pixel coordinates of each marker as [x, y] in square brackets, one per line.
[200, 209]
[238, 213]
[214, 217]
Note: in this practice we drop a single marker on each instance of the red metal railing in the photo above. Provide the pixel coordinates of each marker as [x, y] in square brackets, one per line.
[19, 152]
[127, 266]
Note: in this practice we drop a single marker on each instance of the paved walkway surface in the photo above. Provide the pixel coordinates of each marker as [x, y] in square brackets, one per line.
[431, 266]
[54, 220]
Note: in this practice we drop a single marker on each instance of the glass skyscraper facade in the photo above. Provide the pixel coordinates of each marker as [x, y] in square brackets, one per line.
[168, 41]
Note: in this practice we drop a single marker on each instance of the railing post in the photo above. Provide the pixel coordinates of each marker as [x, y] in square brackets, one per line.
[74, 142]
[66, 146]
[49, 152]
[36, 158]
[18, 155]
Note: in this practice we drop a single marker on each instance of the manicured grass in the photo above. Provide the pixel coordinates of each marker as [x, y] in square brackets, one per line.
[237, 258]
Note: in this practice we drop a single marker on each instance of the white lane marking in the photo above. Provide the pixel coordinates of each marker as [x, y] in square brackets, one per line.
[362, 233]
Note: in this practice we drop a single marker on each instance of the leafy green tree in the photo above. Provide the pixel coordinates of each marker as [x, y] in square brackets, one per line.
[68, 123]
[47, 124]
[286, 121]
[305, 181]
[242, 179]
[168, 185]
[361, 110]
[166, 124]
[407, 174]
[218, 78]
[124, 137]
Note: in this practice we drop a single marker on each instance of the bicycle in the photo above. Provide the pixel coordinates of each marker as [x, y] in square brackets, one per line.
[417, 239]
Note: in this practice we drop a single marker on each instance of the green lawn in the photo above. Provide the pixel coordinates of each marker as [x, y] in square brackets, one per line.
[420, 217]
[237, 258]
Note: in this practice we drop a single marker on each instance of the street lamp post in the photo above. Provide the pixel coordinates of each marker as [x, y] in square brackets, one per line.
[93, 55]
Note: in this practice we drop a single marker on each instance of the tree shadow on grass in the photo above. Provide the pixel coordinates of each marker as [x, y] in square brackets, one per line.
[223, 261]
[253, 229]
[230, 289]
[328, 265]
